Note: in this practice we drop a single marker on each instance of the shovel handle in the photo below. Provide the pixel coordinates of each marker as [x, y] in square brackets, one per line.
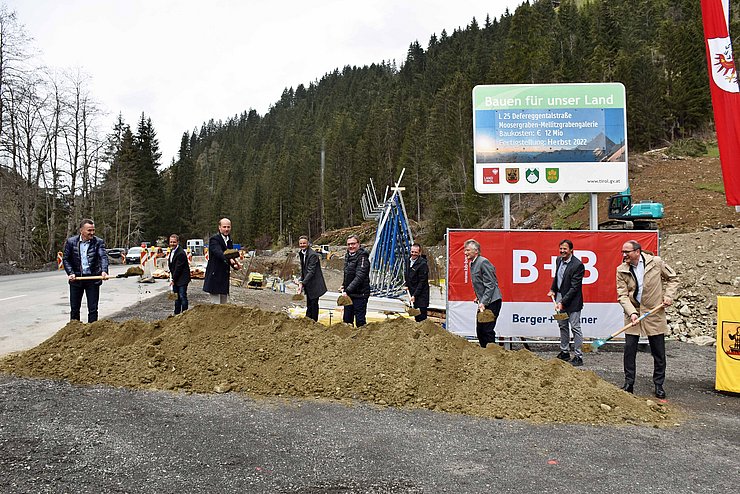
[90, 278]
[627, 326]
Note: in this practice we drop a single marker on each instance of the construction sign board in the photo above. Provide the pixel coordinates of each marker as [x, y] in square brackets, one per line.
[727, 377]
[550, 138]
[525, 266]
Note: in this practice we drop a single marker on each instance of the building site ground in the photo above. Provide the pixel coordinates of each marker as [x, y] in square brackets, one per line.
[244, 399]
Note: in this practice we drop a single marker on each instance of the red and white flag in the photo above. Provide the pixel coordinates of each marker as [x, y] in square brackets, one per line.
[725, 92]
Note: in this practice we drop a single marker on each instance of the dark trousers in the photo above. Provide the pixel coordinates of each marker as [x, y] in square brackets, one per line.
[486, 331]
[181, 304]
[356, 312]
[312, 308]
[657, 349]
[422, 315]
[91, 290]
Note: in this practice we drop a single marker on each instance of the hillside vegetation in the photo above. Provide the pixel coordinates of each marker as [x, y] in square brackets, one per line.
[264, 172]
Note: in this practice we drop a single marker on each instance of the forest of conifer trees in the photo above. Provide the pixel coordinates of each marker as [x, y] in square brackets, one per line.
[263, 171]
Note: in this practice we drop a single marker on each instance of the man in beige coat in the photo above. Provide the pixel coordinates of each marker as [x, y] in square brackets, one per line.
[644, 281]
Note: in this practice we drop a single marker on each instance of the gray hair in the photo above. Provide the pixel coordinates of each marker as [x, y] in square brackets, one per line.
[473, 243]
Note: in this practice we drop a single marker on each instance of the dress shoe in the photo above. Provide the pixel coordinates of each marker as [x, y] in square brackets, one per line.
[564, 356]
[628, 388]
[659, 391]
[576, 362]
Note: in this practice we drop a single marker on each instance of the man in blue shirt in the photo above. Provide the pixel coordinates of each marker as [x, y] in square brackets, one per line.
[84, 255]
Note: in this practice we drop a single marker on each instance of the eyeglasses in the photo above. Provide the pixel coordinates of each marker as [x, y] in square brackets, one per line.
[351, 243]
[627, 251]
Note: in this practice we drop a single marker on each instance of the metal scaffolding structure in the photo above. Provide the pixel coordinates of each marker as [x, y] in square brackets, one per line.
[393, 239]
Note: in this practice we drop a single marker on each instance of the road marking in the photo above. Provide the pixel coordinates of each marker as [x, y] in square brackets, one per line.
[11, 298]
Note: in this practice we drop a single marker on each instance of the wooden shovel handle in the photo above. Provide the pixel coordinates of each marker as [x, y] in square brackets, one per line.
[627, 326]
[90, 278]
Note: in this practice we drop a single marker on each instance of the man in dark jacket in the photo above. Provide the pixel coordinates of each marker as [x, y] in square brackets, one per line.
[417, 282]
[356, 284]
[312, 279]
[567, 289]
[217, 270]
[179, 273]
[84, 255]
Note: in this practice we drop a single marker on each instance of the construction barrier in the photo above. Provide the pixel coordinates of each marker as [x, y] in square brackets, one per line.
[728, 344]
[60, 260]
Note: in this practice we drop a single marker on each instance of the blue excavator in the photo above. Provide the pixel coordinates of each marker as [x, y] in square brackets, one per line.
[626, 215]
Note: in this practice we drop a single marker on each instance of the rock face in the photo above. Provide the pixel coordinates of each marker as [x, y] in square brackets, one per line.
[708, 265]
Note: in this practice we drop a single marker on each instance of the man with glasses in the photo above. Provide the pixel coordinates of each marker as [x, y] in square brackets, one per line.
[644, 281]
[356, 284]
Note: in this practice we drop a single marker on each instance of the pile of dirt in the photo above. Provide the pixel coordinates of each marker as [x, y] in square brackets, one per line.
[214, 348]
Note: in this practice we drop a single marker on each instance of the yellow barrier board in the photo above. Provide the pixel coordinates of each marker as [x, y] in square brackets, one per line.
[728, 344]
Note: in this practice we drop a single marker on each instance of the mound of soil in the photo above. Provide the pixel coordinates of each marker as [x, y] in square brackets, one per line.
[226, 348]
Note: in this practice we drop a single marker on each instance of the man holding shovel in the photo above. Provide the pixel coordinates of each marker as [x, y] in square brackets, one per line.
[417, 282]
[84, 255]
[220, 261]
[312, 279]
[179, 273]
[644, 281]
[356, 282]
[567, 291]
[487, 293]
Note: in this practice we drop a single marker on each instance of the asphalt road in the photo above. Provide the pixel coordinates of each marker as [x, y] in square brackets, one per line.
[34, 306]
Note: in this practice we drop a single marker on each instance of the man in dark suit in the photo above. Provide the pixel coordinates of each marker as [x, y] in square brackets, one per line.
[566, 288]
[84, 255]
[487, 292]
[179, 273]
[312, 279]
[417, 282]
[217, 270]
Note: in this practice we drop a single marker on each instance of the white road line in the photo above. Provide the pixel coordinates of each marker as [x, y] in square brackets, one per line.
[11, 298]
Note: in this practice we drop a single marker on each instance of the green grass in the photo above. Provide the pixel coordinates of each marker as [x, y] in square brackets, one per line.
[714, 187]
[712, 150]
[572, 205]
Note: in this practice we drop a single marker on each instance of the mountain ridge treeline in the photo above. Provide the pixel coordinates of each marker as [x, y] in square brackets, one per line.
[264, 171]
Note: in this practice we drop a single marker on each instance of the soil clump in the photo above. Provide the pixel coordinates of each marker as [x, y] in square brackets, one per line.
[217, 349]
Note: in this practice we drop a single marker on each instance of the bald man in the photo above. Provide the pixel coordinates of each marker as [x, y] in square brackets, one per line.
[217, 271]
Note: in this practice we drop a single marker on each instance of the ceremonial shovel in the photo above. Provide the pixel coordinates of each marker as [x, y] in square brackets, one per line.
[558, 316]
[600, 342]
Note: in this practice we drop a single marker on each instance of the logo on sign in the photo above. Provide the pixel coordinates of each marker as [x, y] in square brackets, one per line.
[512, 175]
[532, 175]
[490, 175]
[552, 174]
[731, 339]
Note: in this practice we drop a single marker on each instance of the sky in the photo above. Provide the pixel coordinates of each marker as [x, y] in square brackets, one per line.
[184, 62]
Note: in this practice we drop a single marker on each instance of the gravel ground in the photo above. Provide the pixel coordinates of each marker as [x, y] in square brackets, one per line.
[55, 437]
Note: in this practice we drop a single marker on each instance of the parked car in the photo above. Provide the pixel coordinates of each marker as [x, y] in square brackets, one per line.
[116, 255]
[133, 256]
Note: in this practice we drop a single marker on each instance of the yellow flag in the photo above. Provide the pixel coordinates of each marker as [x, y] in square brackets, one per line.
[728, 344]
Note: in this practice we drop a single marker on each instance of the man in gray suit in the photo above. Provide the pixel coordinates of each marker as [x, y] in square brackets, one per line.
[487, 292]
[312, 279]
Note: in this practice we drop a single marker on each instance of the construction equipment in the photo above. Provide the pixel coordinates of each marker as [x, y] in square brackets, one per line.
[255, 280]
[601, 341]
[323, 251]
[626, 215]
